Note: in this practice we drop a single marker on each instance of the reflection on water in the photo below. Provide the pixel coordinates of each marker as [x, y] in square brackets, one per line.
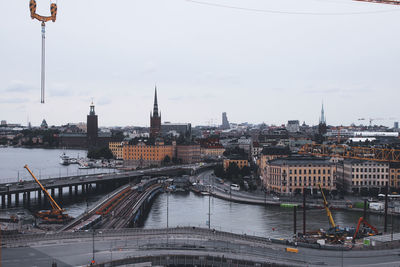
[189, 209]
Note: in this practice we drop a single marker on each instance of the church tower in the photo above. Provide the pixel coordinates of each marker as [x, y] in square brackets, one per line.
[155, 119]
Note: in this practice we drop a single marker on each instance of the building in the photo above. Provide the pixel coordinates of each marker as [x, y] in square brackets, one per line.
[92, 127]
[44, 125]
[293, 174]
[293, 126]
[360, 176]
[240, 162]
[225, 123]
[212, 151]
[396, 125]
[188, 154]
[394, 175]
[322, 122]
[117, 149]
[143, 155]
[271, 153]
[155, 119]
[182, 129]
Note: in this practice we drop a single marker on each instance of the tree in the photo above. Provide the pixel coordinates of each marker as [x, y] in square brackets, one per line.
[219, 171]
[166, 160]
[103, 152]
[232, 171]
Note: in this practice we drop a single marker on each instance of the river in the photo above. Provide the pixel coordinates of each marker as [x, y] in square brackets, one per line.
[184, 209]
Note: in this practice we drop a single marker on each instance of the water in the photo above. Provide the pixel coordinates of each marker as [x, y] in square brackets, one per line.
[192, 210]
[185, 209]
[44, 163]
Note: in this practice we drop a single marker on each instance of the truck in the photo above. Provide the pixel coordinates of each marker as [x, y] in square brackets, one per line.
[376, 206]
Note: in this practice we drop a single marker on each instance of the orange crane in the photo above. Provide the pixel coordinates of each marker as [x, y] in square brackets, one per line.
[43, 19]
[348, 152]
[55, 215]
[364, 222]
[390, 2]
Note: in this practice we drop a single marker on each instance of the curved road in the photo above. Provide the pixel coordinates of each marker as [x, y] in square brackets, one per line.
[76, 249]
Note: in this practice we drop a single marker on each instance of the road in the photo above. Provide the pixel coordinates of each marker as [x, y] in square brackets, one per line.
[75, 250]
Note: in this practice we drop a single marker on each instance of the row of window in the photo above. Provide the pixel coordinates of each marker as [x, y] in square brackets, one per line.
[380, 183]
[369, 169]
[314, 171]
[370, 176]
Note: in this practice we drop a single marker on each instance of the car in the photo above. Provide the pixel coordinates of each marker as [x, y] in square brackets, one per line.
[275, 198]
[235, 187]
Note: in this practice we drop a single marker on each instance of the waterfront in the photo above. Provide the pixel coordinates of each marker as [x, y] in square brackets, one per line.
[44, 163]
[189, 209]
[184, 208]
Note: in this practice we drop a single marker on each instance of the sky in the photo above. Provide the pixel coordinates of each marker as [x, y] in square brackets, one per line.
[257, 60]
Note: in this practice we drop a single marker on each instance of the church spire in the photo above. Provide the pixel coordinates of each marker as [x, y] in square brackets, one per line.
[322, 119]
[155, 109]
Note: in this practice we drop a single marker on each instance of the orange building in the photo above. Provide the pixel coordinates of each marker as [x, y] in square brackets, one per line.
[143, 155]
[239, 162]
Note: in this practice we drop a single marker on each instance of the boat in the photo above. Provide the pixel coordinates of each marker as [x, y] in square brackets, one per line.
[64, 159]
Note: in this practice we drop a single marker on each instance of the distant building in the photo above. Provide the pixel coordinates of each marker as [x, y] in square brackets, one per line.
[116, 149]
[183, 129]
[44, 125]
[396, 125]
[92, 127]
[293, 174]
[3, 123]
[271, 153]
[212, 151]
[143, 155]
[394, 178]
[293, 126]
[322, 122]
[155, 119]
[240, 162]
[188, 154]
[225, 122]
[361, 175]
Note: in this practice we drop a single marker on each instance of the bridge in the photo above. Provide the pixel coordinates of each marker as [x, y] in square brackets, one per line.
[10, 193]
[178, 245]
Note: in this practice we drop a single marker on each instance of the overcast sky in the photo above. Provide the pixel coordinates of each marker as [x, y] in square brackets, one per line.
[256, 65]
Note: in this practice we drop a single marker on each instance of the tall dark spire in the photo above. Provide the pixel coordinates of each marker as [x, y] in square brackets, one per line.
[155, 109]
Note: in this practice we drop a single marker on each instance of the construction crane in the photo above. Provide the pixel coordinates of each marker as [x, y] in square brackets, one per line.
[348, 152]
[335, 234]
[43, 19]
[390, 2]
[56, 214]
[365, 231]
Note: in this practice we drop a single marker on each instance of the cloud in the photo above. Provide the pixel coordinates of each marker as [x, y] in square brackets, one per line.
[19, 87]
[14, 100]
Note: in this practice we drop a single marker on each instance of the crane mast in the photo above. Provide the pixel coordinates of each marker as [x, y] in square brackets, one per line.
[328, 212]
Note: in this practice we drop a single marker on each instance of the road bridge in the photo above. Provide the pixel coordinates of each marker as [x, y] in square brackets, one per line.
[10, 193]
[126, 246]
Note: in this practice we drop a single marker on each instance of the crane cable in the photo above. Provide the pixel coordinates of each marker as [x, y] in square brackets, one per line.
[43, 19]
[271, 11]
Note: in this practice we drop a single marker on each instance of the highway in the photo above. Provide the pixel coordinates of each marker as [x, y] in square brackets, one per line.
[76, 249]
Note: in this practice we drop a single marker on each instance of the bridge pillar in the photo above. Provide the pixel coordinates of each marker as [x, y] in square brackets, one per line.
[16, 199]
[76, 190]
[53, 192]
[83, 189]
[3, 201]
[28, 198]
[60, 192]
[24, 199]
[70, 191]
[39, 200]
[9, 199]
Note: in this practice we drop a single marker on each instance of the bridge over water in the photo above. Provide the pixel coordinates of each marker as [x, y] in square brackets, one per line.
[11, 193]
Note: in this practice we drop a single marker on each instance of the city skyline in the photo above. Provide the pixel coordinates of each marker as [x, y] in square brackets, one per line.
[256, 67]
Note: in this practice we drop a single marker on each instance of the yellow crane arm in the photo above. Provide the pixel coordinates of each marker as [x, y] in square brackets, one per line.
[328, 212]
[34, 15]
[52, 201]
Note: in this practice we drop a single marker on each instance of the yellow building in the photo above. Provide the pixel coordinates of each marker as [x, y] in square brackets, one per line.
[291, 175]
[271, 153]
[142, 155]
[116, 149]
[239, 162]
